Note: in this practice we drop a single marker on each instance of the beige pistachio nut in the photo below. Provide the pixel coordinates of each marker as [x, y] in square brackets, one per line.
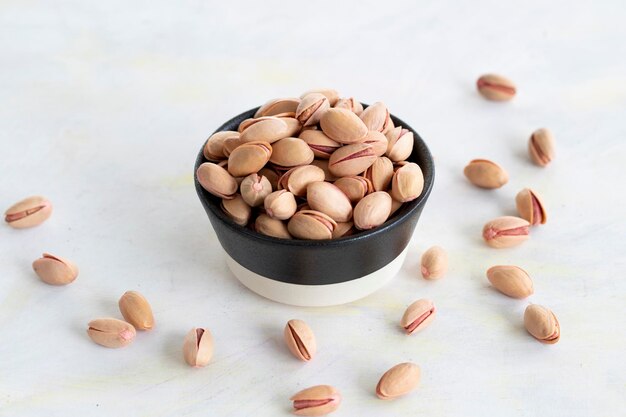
[271, 175]
[395, 206]
[495, 87]
[214, 147]
[55, 270]
[311, 224]
[343, 126]
[297, 179]
[418, 316]
[530, 207]
[321, 145]
[229, 145]
[293, 126]
[378, 141]
[329, 199]
[254, 188]
[510, 280]
[265, 129]
[311, 108]
[372, 211]
[541, 147]
[278, 106]
[351, 160]
[136, 310]
[354, 187]
[380, 173]
[31, 211]
[398, 381]
[248, 158]
[319, 400]
[111, 333]
[237, 209]
[407, 182]
[329, 93]
[343, 229]
[291, 152]
[216, 180]
[323, 165]
[280, 205]
[486, 174]
[268, 226]
[376, 117]
[506, 232]
[542, 324]
[400, 143]
[300, 340]
[349, 104]
[198, 347]
[434, 263]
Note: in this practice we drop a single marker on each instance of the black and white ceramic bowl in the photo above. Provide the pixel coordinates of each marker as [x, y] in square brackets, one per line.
[318, 273]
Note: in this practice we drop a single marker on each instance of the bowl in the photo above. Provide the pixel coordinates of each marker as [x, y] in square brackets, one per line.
[318, 273]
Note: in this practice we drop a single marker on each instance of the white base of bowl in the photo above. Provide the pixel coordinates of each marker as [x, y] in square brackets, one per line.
[316, 295]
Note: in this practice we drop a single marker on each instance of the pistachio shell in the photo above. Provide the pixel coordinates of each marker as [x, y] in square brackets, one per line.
[541, 147]
[329, 93]
[398, 381]
[280, 205]
[351, 159]
[355, 188]
[136, 310]
[237, 209]
[495, 87]
[349, 104]
[378, 141]
[268, 226]
[343, 126]
[311, 108]
[297, 179]
[254, 188]
[400, 144]
[278, 106]
[111, 333]
[329, 199]
[372, 211]
[216, 180]
[343, 229]
[198, 347]
[542, 324]
[376, 117]
[505, 232]
[319, 400]
[418, 316]
[291, 152]
[249, 158]
[55, 270]
[266, 129]
[321, 145]
[31, 211]
[300, 340]
[530, 207]
[434, 263]
[214, 147]
[486, 174]
[510, 280]
[311, 224]
[407, 182]
[380, 173]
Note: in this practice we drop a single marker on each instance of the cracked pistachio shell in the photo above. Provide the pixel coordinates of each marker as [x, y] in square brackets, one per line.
[323, 165]
[495, 87]
[268, 226]
[343, 126]
[30, 212]
[300, 340]
[278, 106]
[372, 211]
[376, 117]
[400, 144]
[280, 205]
[311, 108]
[311, 224]
[329, 199]
[237, 209]
[319, 400]
[506, 232]
[214, 147]
[321, 145]
[55, 270]
[293, 126]
[378, 141]
[541, 147]
[271, 175]
[418, 316]
[265, 129]
[329, 93]
[398, 381]
[434, 263]
[486, 174]
[230, 144]
[407, 182]
[111, 333]
[349, 104]
[355, 187]
[198, 347]
[216, 180]
[530, 207]
[136, 310]
[297, 179]
[510, 280]
[343, 229]
[291, 152]
[380, 173]
[542, 324]
[249, 158]
[254, 188]
[351, 160]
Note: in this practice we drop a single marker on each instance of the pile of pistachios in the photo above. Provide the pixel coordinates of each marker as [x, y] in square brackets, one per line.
[314, 167]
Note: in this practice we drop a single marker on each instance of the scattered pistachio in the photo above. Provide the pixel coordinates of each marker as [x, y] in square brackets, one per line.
[136, 310]
[434, 263]
[505, 232]
[510, 280]
[495, 87]
[398, 381]
[418, 316]
[541, 147]
[530, 207]
[111, 333]
[31, 211]
[542, 324]
[316, 401]
[486, 174]
[55, 270]
[198, 347]
[300, 340]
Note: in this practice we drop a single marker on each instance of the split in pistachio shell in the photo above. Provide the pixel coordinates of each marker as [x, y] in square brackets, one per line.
[496, 87]
[407, 182]
[136, 310]
[542, 324]
[343, 230]
[418, 316]
[541, 147]
[249, 158]
[329, 199]
[434, 263]
[376, 117]
[30, 212]
[321, 145]
[237, 209]
[254, 188]
[380, 173]
[329, 93]
[378, 141]
[280, 205]
[300, 340]
[311, 108]
[278, 106]
[398, 381]
[230, 144]
[530, 207]
[323, 165]
[319, 400]
[372, 211]
[351, 160]
[265, 129]
[291, 152]
[354, 187]
[400, 143]
[198, 347]
[297, 179]
[216, 180]
[214, 147]
[311, 224]
[486, 174]
[111, 333]
[55, 270]
[506, 232]
[350, 104]
[268, 226]
[343, 126]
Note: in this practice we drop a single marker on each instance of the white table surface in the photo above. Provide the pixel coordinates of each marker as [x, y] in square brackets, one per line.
[105, 105]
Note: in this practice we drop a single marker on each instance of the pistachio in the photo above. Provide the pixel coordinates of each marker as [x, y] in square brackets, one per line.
[407, 182]
[378, 141]
[530, 207]
[300, 340]
[316, 401]
[380, 173]
[291, 152]
[254, 188]
[434, 263]
[541, 147]
[495, 87]
[249, 158]
[268, 226]
[280, 205]
[542, 324]
[271, 175]
[311, 108]
[136, 310]
[111, 333]
[400, 143]
[376, 117]
[355, 188]
[214, 147]
[398, 381]
[329, 199]
[230, 144]
[343, 229]
[321, 145]
[216, 180]
[486, 174]
[198, 347]
[418, 316]
[505, 232]
[510, 280]
[293, 126]
[265, 129]
[278, 106]
[372, 211]
[297, 179]
[237, 209]
[349, 104]
[31, 211]
[343, 126]
[351, 159]
[55, 270]
[311, 224]
[323, 165]
[329, 93]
